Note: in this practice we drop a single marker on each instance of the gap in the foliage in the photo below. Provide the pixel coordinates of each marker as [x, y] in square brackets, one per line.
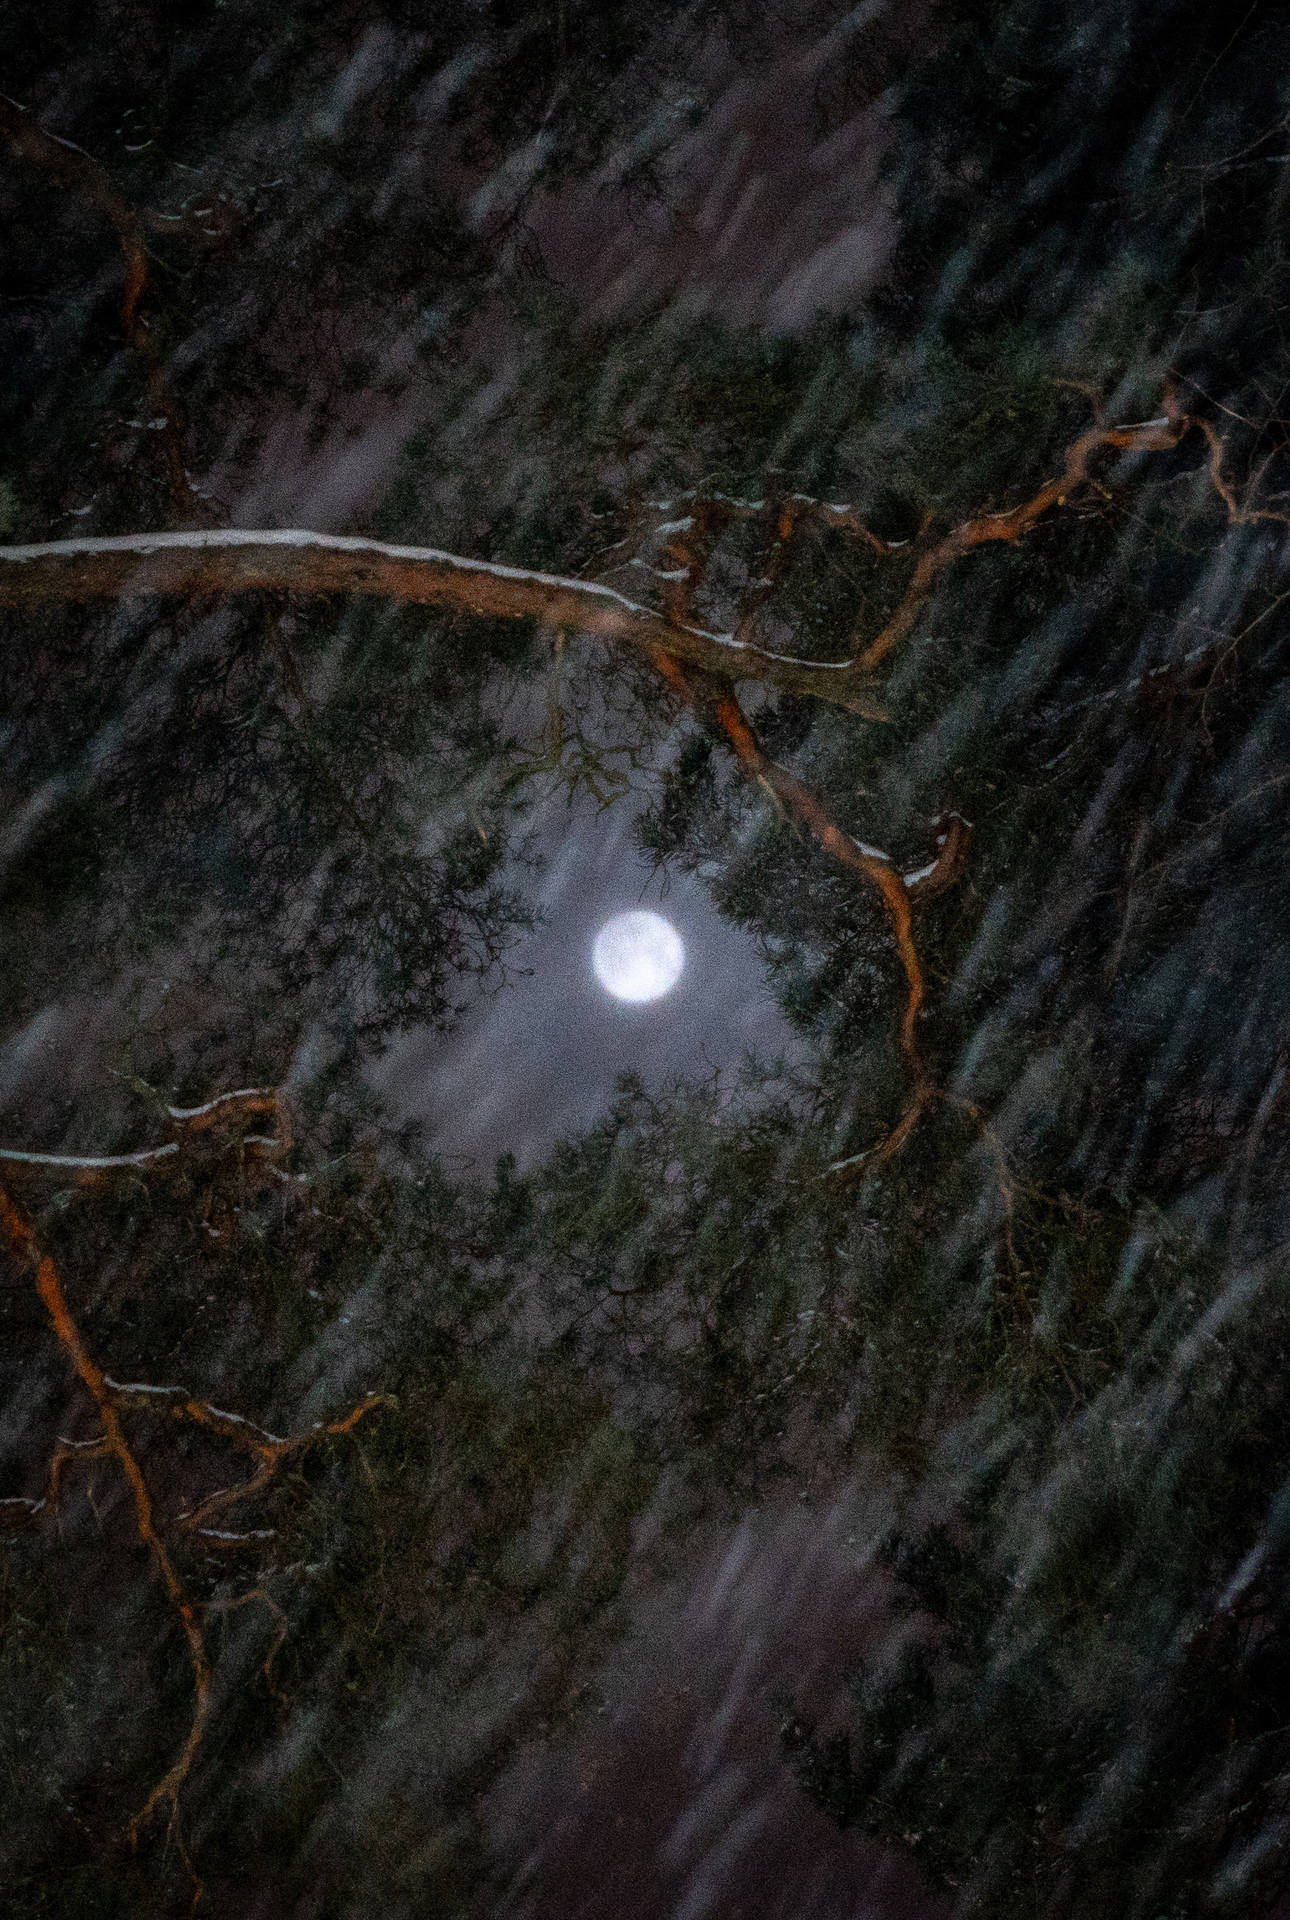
[541, 1057]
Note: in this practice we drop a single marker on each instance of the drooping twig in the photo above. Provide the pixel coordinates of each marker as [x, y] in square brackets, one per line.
[717, 703]
[256, 1596]
[82, 174]
[716, 699]
[24, 1510]
[1239, 512]
[84, 1170]
[272, 1451]
[867, 862]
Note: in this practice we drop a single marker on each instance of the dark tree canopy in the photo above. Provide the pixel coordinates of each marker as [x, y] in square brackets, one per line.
[847, 444]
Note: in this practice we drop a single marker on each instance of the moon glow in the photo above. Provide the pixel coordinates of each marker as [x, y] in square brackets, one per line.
[638, 956]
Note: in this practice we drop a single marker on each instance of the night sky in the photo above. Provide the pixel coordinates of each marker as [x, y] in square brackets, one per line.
[541, 1058]
[810, 1444]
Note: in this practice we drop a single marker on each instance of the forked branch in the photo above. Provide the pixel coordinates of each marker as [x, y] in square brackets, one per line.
[112, 1399]
[1146, 436]
[704, 665]
[293, 560]
[289, 560]
[23, 1244]
[183, 1124]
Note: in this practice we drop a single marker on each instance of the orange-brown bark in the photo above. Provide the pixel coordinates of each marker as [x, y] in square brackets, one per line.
[112, 1398]
[232, 561]
[22, 1242]
[703, 666]
[722, 709]
[100, 1170]
[1152, 436]
[273, 1453]
[810, 812]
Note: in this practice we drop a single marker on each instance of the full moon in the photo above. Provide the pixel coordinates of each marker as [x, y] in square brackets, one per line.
[638, 955]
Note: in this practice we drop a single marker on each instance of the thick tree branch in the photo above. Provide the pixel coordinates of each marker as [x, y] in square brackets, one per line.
[293, 560]
[702, 665]
[97, 1170]
[237, 560]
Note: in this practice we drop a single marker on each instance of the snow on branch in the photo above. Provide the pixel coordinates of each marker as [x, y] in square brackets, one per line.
[296, 560]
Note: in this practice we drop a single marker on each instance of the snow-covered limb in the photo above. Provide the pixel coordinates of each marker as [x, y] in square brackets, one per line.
[296, 560]
[953, 840]
[126, 1387]
[709, 514]
[247, 1099]
[180, 1402]
[236, 1539]
[273, 1451]
[93, 1170]
[849, 1165]
[86, 1170]
[715, 509]
[240, 1420]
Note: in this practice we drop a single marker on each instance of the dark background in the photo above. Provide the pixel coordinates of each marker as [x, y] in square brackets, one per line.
[738, 1538]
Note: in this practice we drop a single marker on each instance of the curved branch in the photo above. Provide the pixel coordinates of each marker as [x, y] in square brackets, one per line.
[296, 560]
[292, 560]
[1146, 436]
[73, 167]
[272, 1451]
[689, 539]
[111, 1398]
[22, 1242]
[84, 1169]
[97, 1170]
[1239, 513]
[719, 704]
